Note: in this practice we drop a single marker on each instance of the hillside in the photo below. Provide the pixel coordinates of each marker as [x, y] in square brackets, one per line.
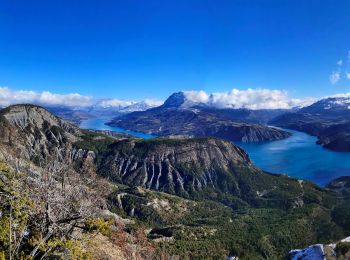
[328, 119]
[160, 197]
[196, 168]
[177, 116]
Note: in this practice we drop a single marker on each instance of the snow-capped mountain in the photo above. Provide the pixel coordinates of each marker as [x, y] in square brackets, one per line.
[331, 103]
[107, 108]
[124, 106]
[180, 100]
[328, 119]
[138, 106]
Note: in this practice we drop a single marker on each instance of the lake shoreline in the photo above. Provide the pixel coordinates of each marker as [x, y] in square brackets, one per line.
[298, 156]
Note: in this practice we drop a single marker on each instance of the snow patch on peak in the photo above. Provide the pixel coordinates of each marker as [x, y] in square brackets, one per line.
[128, 106]
[115, 103]
[140, 106]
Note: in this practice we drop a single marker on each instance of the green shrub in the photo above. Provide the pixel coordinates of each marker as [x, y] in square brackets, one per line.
[342, 248]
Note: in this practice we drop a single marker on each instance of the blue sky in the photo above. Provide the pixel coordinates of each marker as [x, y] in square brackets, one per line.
[143, 49]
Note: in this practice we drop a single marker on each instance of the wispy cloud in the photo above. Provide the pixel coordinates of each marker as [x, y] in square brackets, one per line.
[340, 95]
[334, 77]
[153, 102]
[249, 98]
[347, 75]
[342, 70]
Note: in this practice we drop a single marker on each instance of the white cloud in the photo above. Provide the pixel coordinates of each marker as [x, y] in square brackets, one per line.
[340, 95]
[197, 96]
[334, 77]
[46, 98]
[340, 62]
[250, 99]
[114, 103]
[153, 102]
[347, 75]
[9, 97]
[72, 99]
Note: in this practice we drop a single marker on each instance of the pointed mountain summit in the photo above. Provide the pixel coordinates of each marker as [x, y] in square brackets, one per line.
[175, 100]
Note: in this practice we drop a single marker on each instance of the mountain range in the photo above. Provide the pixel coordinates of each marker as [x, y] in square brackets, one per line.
[179, 116]
[328, 119]
[162, 197]
[102, 109]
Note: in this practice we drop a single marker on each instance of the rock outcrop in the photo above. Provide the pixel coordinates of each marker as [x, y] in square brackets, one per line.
[182, 165]
[335, 251]
[31, 137]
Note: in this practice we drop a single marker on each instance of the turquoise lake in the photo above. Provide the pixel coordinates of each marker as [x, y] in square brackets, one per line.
[297, 156]
[99, 124]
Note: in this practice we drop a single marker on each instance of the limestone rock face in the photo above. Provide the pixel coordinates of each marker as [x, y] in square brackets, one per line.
[32, 134]
[29, 116]
[186, 166]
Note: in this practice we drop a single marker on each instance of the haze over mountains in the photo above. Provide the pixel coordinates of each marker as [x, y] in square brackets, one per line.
[102, 109]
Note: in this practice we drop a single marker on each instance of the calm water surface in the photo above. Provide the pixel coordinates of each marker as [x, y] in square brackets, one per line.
[298, 156]
[99, 124]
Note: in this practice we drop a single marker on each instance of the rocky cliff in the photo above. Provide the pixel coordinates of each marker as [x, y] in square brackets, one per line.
[33, 138]
[197, 168]
[176, 165]
[334, 251]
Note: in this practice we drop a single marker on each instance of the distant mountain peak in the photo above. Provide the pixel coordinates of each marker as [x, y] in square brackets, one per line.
[175, 100]
[331, 103]
[182, 100]
[139, 106]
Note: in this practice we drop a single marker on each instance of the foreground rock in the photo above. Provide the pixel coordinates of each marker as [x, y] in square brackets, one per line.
[314, 252]
[335, 251]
